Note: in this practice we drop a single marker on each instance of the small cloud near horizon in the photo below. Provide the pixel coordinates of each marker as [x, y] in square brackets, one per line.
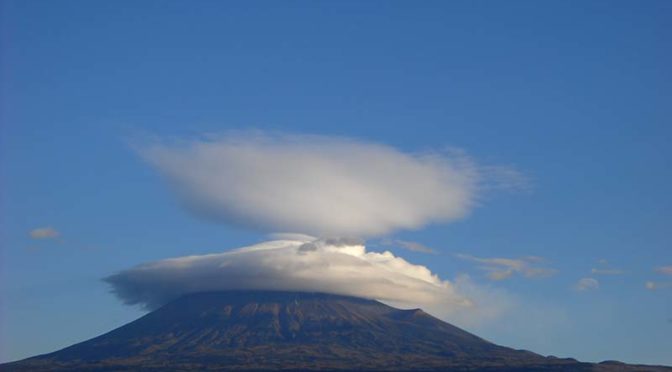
[603, 269]
[607, 271]
[587, 284]
[665, 270]
[503, 268]
[651, 285]
[41, 233]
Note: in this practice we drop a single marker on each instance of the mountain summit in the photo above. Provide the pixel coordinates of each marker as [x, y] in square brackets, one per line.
[290, 330]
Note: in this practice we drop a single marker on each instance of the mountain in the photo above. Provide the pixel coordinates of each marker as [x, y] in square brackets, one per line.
[290, 330]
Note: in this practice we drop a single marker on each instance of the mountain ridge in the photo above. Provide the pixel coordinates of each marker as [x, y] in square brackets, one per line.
[295, 330]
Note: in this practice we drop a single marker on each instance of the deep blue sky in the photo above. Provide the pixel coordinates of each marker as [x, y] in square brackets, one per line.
[577, 95]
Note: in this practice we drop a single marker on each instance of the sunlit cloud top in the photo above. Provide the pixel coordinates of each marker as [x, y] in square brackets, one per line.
[338, 266]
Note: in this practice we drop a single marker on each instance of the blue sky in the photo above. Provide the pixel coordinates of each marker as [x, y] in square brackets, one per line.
[575, 95]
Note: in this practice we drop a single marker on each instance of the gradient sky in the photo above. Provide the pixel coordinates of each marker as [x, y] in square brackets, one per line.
[576, 95]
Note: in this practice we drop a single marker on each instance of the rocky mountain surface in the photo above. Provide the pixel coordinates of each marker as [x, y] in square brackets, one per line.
[258, 330]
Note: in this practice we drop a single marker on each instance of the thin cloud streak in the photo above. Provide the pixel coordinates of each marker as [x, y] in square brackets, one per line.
[408, 245]
[665, 270]
[41, 233]
[604, 269]
[503, 268]
[607, 271]
[651, 285]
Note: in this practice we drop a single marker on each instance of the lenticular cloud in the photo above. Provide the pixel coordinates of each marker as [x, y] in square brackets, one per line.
[318, 185]
[338, 266]
[323, 186]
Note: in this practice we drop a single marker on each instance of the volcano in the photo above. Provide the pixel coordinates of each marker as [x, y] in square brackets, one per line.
[262, 330]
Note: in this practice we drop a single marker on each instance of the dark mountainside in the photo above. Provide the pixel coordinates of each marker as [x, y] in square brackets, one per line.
[288, 330]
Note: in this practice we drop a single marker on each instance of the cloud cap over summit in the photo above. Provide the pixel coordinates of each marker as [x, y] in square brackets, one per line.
[335, 266]
[321, 265]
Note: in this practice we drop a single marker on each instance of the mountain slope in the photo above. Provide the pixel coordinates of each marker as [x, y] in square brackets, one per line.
[273, 330]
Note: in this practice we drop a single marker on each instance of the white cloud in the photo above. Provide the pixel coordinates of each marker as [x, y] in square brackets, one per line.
[504, 268]
[408, 245]
[665, 270]
[587, 284]
[322, 265]
[44, 233]
[320, 185]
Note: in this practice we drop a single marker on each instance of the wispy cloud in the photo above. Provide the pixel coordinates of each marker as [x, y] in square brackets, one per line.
[44, 233]
[319, 185]
[604, 269]
[408, 245]
[651, 285]
[654, 285]
[665, 270]
[587, 284]
[504, 268]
